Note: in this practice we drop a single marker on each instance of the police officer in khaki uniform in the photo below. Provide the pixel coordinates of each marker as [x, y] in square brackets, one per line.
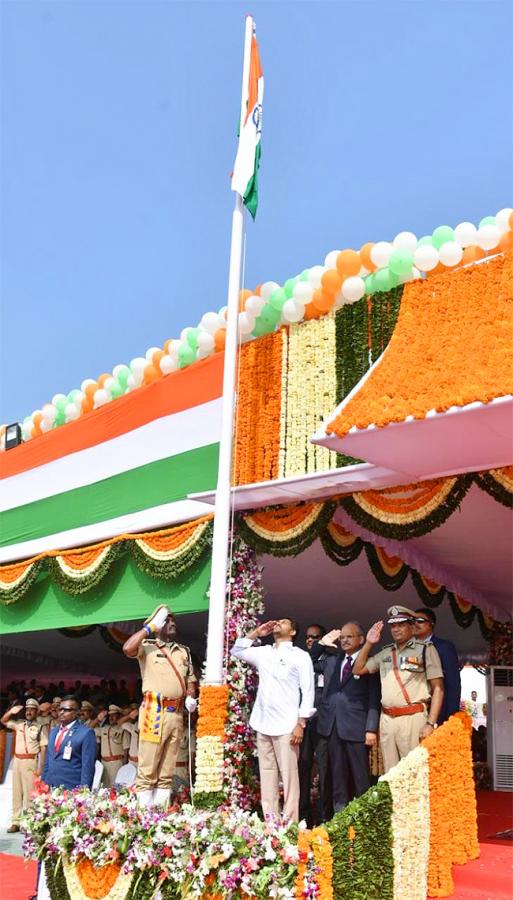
[412, 685]
[131, 726]
[113, 745]
[30, 745]
[44, 717]
[86, 714]
[168, 683]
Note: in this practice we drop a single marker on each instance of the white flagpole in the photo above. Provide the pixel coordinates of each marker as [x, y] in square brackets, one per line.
[221, 537]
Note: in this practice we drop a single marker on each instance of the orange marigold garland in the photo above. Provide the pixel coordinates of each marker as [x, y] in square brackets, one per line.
[323, 857]
[451, 347]
[97, 883]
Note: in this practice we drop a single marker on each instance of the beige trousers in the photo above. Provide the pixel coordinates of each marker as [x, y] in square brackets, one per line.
[157, 762]
[23, 773]
[110, 770]
[278, 758]
[398, 735]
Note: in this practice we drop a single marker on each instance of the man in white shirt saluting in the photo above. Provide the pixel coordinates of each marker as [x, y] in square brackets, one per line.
[284, 703]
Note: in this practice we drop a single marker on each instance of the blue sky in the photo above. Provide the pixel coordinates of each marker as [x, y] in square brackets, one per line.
[118, 125]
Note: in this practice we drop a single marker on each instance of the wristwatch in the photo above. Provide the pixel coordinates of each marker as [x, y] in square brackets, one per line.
[432, 726]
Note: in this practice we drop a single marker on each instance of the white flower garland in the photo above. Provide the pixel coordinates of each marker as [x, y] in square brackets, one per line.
[409, 786]
[209, 764]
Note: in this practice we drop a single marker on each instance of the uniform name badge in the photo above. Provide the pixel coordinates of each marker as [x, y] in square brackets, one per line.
[320, 680]
[66, 754]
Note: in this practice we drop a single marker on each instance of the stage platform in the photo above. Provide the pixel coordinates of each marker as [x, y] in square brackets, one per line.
[488, 878]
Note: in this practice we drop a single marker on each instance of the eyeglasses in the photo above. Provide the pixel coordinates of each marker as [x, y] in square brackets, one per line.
[313, 637]
[68, 709]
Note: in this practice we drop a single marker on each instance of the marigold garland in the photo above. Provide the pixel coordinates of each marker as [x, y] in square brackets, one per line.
[323, 858]
[499, 484]
[390, 571]
[462, 315]
[340, 545]
[286, 531]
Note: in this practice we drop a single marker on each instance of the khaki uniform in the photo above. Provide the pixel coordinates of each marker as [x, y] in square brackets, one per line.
[166, 683]
[30, 739]
[45, 721]
[132, 729]
[113, 743]
[413, 664]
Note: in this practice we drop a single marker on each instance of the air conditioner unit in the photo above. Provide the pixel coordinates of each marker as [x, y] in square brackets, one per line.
[500, 726]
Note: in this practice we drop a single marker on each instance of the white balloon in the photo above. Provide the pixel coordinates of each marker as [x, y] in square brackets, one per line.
[45, 425]
[353, 288]
[100, 398]
[246, 323]
[380, 253]
[465, 234]
[205, 342]
[406, 240]
[137, 367]
[86, 382]
[290, 312]
[49, 413]
[107, 385]
[363, 272]
[209, 322]
[302, 293]
[488, 237]
[71, 412]
[58, 398]
[167, 364]
[426, 258]
[246, 338]
[331, 259]
[502, 219]
[202, 354]
[26, 431]
[340, 301]
[255, 304]
[450, 253]
[409, 276]
[268, 288]
[131, 383]
[149, 353]
[173, 346]
[223, 313]
[315, 276]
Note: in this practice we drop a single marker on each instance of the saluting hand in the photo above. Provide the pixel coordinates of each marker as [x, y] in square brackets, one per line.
[16, 709]
[266, 628]
[134, 715]
[330, 638]
[374, 633]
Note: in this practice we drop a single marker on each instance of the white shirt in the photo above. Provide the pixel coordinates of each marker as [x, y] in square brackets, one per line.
[284, 671]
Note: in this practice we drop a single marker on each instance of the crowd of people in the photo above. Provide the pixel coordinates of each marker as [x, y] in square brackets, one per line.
[320, 715]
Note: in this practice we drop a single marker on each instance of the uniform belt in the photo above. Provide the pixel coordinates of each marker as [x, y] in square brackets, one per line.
[404, 710]
[25, 755]
[175, 705]
[111, 758]
[181, 765]
[134, 759]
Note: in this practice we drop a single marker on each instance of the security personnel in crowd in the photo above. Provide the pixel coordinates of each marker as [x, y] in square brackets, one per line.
[44, 718]
[131, 727]
[168, 683]
[412, 684]
[30, 745]
[113, 745]
[87, 715]
[54, 711]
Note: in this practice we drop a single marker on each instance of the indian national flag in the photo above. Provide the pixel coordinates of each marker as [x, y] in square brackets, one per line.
[247, 161]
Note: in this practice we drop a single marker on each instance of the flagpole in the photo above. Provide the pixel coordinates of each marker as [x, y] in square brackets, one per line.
[221, 536]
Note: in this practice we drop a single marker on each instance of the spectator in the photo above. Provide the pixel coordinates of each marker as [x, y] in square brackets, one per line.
[314, 747]
[71, 755]
[425, 622]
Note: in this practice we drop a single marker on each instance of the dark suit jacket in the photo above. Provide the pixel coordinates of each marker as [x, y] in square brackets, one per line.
[452, 680]
[353, 707]
[74, 772]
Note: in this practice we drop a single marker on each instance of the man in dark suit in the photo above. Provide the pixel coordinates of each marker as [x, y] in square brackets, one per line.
[425, 621]
[349, 712]
[71, 754]
[314, 746]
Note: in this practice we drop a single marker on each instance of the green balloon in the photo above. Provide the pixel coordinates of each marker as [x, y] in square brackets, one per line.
[488, 220]
[369, 284]
[441, 235]
[277, 299]
[123, 377]
[116, 390]
[426, 241]
[393, 279]
[400, 262]
[304, 275]
[192, 338]
[60, 419]
[382, 279]
[288, 287]
[270, 314]
[61, 405]
[261, 328]
[74, 395]
[186, 356]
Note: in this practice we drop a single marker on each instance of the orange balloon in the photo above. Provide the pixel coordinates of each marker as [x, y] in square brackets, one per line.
[151, 373]
[219, 339]
[348, 263]
[91, 390]
[87, 404]
[103, 378]
[365, 256]
[243, 296]
[258, 289]
[331, 282]
[323, 301]
[311, 312]
[472, 254]
[506, 242]
[156, 357]
[167, 345]
[36, 430]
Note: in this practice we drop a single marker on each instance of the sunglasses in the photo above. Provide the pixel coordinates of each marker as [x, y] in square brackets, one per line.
[68, 709]
[422, 621]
